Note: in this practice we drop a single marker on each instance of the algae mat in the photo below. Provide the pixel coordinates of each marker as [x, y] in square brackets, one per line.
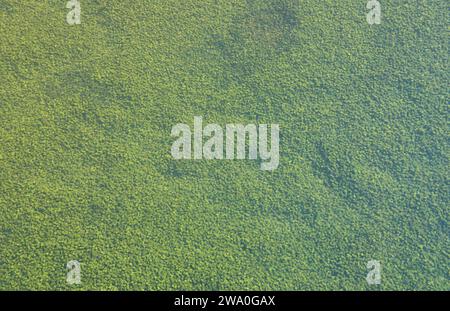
[87, 174]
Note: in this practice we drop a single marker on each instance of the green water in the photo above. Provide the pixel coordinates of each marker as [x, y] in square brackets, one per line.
[85, 166]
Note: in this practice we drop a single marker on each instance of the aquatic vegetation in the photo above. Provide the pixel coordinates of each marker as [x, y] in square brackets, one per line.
[86, 173]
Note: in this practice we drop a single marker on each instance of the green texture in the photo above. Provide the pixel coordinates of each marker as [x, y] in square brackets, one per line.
[85, 166]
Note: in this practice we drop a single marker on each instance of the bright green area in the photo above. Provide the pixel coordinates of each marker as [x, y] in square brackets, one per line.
[85, 165]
